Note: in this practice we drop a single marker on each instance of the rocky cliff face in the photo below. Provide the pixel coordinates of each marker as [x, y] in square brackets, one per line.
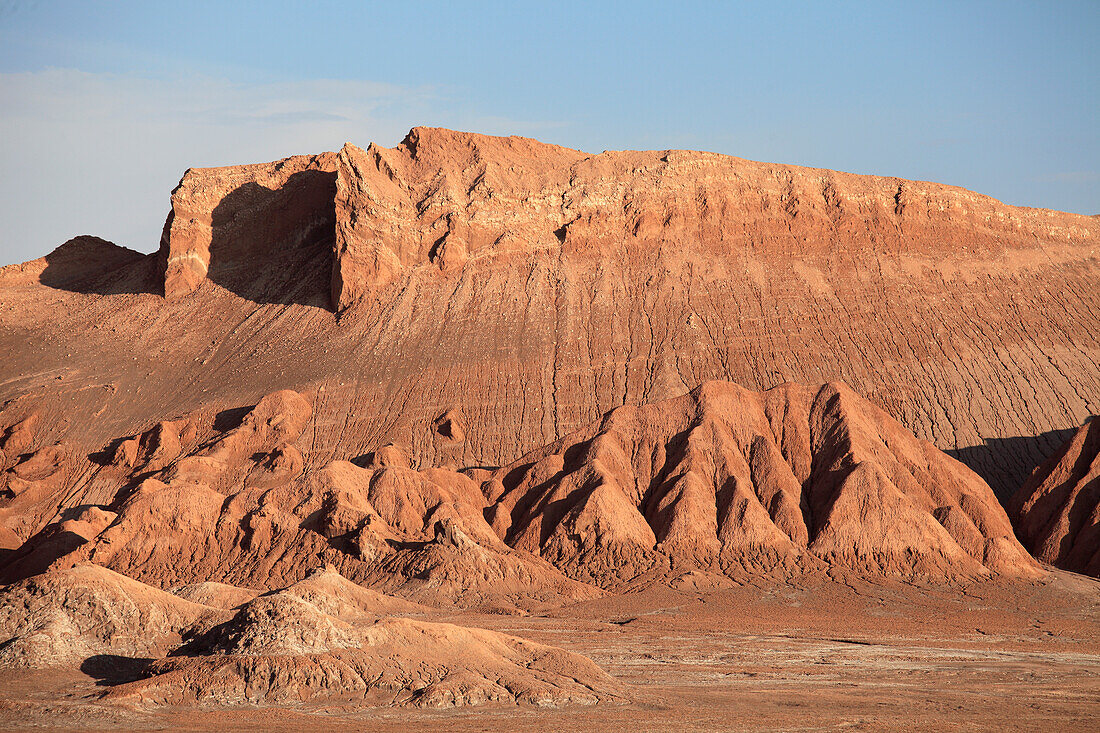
[525, 290]
[224, 220]
[1057, 511]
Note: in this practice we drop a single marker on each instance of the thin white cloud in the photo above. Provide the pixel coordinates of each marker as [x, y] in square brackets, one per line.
[84, 153]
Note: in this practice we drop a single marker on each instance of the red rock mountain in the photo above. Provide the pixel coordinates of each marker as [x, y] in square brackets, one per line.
[722, 481]
[526, 289]
[469, 299]
[1057, 511]
[356, 399]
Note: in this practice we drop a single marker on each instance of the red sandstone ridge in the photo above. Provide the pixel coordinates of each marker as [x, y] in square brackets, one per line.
[723, 480]
[1057, 511]
[83, 263]
[530, 289]
[729, 480]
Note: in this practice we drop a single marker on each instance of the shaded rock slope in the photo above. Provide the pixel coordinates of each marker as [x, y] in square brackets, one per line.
[1057, 511]
[526, 289]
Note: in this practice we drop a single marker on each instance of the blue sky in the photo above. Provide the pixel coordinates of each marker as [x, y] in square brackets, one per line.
[104, 105]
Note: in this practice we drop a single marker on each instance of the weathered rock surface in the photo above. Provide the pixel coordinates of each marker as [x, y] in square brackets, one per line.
[231, 223]
[324, 638]
[720, 481]
[530, 289]
[1057, 511]
[194, 505]
[321, 637]
[66, 617]
[215, 595]
[488, 374]
[729, 480]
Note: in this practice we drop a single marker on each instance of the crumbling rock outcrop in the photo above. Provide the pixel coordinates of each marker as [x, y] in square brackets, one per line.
[226, 223]
[308, 642]
[31, 481]
[1057, 511]
[721, 480]
[423, 535]
[238, 508]
[323, 637]
[65, 617]
[730, 480]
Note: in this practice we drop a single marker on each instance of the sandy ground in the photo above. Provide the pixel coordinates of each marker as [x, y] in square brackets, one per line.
[825, 655]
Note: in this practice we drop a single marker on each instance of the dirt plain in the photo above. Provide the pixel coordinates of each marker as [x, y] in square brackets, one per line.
[817, 654]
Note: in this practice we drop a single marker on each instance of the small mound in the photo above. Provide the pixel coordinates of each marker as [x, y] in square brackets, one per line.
[281, 648]
[64, 617]
[75, 265]
[215, 595]
[337, 596]
[1057, 511]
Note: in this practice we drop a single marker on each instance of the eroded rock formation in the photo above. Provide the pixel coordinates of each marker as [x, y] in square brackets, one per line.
[231, 223]
[530, 289]
[68, 616]
[722, 480]
[731, 480]
[1057, 511]
[321, 637]
[238, 508]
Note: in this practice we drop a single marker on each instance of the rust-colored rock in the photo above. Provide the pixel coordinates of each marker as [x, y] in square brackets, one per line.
[226, 221]
[238, 508]
[728, 480]
[308, 642]
[1057, 511]
[531, 289]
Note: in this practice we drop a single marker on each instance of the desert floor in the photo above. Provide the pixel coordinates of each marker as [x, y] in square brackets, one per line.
[830, 654]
